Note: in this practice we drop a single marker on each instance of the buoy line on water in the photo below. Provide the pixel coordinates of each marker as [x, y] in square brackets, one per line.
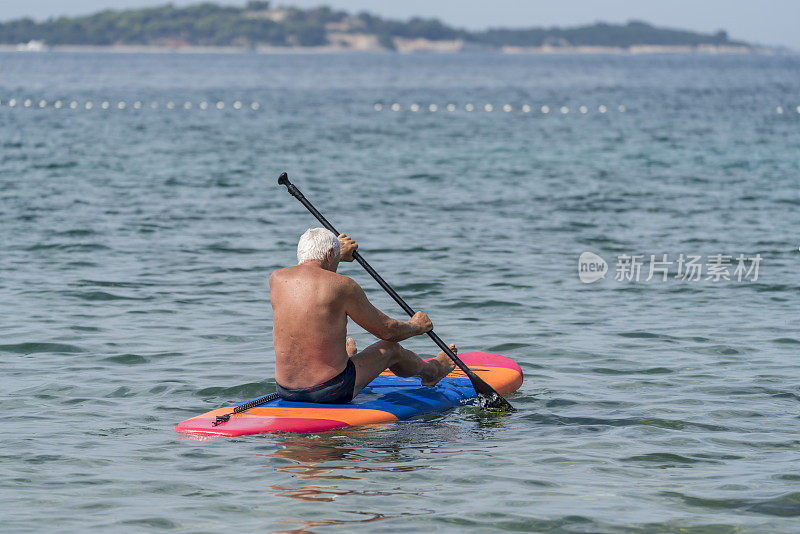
[414, 107]
[110, 105]
[489, 108]
[523, 108]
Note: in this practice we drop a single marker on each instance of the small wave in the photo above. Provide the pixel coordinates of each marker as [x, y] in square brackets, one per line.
[554, 403]
[217, 269]
[519, 523]
[156, 523]
[738, 164]
[485, 304]
[669, 424]
[407, 250]
[226, 337]
[103, 283]
[74, 247]
[786, 395]
[121, 392]
[80, 328]
[77, 232]
[773, 288]
[127, 359]
[418, 286]
[757, 390]
[75, 401]
[55, 165]
[34, 347]
[508, 346]
[100, 296]
[252, 389]
[664, 459]
[425, 176]
[149, 228]
[787, 341]
[648, 371]
[44, 458]
[725, 350]
[786, 505]
[794, 477]
[506, 284]
[643, 335]
[218, 247]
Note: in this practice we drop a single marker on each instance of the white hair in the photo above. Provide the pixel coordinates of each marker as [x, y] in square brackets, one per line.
[315, 244]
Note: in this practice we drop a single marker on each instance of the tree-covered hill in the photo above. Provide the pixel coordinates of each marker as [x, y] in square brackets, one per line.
[259, 23]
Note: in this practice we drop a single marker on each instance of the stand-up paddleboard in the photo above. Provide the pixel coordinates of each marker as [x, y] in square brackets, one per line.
[387, 398]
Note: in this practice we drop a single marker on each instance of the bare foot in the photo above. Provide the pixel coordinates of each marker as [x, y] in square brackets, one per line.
[438, 368]
[350, 346]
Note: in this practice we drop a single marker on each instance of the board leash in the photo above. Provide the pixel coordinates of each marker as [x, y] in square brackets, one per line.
[244, 407]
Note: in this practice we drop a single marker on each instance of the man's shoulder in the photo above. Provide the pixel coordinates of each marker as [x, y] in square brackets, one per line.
[284, 274]
[342, 285]
[293, 272]
[278, 274]
[341, 280]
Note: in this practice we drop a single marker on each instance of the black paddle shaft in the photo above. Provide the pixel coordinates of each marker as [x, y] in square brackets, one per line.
[492, 399]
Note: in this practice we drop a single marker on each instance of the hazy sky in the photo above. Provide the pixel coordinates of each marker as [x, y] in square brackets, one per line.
[772, 22]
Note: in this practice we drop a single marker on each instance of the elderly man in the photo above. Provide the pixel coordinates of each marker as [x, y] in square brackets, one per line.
[311, 304]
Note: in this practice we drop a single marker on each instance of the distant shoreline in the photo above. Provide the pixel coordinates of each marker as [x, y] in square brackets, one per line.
[263, 28]
[516, 50]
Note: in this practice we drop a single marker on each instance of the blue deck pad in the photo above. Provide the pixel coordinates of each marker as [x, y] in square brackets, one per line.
[403, 397]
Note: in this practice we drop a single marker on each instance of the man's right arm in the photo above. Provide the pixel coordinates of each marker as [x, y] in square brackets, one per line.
[380, 325]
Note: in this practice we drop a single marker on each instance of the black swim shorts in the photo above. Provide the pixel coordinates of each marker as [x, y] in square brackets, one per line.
[337, 390]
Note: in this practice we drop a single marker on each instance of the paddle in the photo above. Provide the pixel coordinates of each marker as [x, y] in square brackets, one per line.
[488, 396]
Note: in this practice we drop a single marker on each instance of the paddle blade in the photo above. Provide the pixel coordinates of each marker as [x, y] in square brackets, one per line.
[487, 397]
[495, 403]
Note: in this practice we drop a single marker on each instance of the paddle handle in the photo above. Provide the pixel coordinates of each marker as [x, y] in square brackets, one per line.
[481, 387]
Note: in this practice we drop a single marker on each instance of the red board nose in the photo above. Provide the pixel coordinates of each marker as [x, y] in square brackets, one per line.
[241, 426]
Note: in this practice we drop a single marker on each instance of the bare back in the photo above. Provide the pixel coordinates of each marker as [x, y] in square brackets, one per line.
[309, 324]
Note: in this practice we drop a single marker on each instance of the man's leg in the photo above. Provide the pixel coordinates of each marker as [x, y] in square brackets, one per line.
[379, 356]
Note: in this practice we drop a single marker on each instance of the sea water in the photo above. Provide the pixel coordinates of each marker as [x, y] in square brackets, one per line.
[140, 218]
